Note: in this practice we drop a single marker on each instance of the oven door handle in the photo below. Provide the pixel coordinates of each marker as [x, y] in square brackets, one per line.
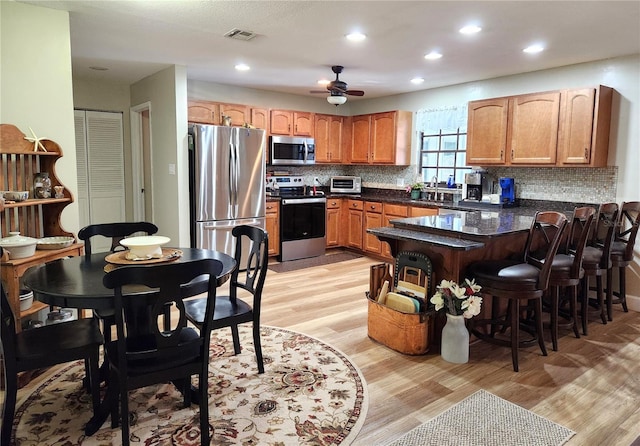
[290, 201]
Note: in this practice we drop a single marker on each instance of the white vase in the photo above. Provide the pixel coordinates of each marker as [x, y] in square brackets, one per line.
[455, 340]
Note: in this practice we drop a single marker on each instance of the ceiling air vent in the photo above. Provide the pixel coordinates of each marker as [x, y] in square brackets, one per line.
[239, 34]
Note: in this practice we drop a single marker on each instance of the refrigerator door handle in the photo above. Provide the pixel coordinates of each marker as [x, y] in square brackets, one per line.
[236, 168]
[233, 191]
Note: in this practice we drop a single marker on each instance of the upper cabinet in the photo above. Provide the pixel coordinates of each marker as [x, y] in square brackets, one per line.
[381, 138]
[260, 118]
[239, 114]
[291, 123]
[329, 131]
[585, 117]
[558, 128]
[203, 112]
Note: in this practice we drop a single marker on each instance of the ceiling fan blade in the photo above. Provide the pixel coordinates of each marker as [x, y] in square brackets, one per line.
[355, 92]
[319, 91]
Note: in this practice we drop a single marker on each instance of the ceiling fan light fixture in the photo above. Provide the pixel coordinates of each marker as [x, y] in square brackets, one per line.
[336, 99]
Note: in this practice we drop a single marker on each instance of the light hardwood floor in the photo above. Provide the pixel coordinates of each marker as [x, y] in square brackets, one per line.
[591, 385]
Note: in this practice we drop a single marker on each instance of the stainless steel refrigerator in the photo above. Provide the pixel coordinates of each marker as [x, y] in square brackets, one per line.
[226, 183]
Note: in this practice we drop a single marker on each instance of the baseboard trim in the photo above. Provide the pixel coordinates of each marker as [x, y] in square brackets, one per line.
[633, 303]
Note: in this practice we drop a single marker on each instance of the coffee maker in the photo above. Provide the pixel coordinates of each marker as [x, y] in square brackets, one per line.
[474, 186]
[507, 190]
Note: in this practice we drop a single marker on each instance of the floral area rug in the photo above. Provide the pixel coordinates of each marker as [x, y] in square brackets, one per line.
[484, 419]
[310, 394]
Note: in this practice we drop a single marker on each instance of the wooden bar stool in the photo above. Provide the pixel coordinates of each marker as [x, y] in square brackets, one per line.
[567, 271]
[622, 251]
[596, 262]
[519, 281]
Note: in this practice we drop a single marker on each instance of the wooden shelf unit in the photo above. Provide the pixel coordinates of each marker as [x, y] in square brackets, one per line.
[34, 217]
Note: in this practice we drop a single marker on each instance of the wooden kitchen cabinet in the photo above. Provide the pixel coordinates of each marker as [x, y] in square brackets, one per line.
[328, 138]
[533, 128]
[260, 118]
[392, 212]
[381, 138]
[203, 112]
[291, 123]
[416, 211]
[372, 219]
[487, 131]
[585, 119]
[273, 226]
[355, 223]
[334, 221]
[35, 217]
[239, 114]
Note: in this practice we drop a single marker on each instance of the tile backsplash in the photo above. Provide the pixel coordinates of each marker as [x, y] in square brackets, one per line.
[581, 185]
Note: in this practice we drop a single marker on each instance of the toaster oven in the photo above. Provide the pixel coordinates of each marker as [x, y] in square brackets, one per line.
[345, 185]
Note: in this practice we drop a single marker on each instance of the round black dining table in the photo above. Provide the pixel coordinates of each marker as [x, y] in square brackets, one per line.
[76, 282]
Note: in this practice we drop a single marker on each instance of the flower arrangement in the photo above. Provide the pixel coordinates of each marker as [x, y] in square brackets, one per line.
[458, 300]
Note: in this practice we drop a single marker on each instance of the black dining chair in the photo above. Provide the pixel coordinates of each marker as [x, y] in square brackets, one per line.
[567, 271]
[596, 262]
[45, 347]
[116, 232]
[144, 353]
[519, 281]
[622, 250]
[231, 310]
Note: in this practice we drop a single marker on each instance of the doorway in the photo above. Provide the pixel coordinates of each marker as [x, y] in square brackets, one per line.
[142, 162]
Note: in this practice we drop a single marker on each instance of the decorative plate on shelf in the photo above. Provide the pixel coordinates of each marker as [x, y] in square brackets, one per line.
[54, 242]
[120, 257]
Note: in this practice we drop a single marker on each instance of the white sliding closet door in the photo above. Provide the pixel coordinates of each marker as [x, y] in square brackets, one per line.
[100, 165]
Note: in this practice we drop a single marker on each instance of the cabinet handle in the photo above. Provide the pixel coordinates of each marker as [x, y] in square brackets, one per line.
[501, 153]
[333, 203]
[586, 153]
[512, 154]
[372, 206]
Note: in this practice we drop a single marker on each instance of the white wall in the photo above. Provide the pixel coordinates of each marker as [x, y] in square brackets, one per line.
[35, 81]
[166, 91]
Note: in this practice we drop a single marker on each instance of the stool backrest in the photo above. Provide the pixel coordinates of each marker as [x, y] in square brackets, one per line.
[605, 227]
[577, 237]
[545, 235]
[627, 229]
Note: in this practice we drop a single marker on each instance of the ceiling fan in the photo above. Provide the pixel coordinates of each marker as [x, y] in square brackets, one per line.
[338, 89]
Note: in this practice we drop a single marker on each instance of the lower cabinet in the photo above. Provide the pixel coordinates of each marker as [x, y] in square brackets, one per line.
[415, 211]
[273, 227]
[392, 212]
[372, 219]
[334, 215]
[355, 227]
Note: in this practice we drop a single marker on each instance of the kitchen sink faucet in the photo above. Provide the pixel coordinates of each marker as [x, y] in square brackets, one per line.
[434, 183]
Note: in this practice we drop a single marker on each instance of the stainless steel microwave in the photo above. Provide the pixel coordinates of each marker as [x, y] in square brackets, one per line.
[291, 151]
[345, 185]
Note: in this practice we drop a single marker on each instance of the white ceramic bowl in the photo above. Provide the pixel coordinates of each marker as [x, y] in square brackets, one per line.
[26, 299]
[18, 246]
[144, 247]
[15, 196]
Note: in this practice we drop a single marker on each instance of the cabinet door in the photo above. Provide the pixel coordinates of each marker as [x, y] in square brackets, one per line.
[576, 126]
[203, 112]
[360, 139]
[383, 141]
[333, 222]
[534, 128]
[336, 125]
[354, 219]
[322, 125]
[487, 131]
[272, 223]
[280, 122]
[372, 219]
[239, 114]
[260, 118]
[392, 212]
[302, 124]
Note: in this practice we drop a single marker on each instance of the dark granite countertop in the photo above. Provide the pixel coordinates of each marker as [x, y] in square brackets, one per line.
[425, 237]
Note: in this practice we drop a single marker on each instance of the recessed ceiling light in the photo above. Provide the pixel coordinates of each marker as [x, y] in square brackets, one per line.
[356, 37]
[532, 49]
[417, 80]
[470, 29]
[99, 68]
[323, 82]
[243, 67]
[433, 55]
